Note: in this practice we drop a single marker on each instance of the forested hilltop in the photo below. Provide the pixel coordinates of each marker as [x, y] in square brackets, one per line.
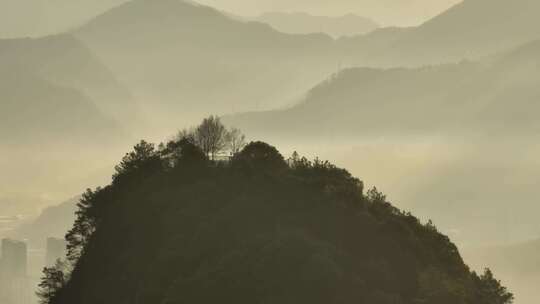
[179, 224]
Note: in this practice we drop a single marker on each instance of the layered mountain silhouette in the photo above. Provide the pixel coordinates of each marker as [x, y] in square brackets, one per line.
[469, 73]
[36, 112]
[38, 18]
[472, 125]
[492, 97]
[169, 52]
[60, 107]
[470, 29]
[303, 23]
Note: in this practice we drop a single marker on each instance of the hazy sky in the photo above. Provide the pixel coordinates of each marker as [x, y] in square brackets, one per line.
[387, 12]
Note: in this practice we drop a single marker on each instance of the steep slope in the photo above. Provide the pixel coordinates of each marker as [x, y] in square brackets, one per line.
[470, 29]
[170, 52]
[173, 227]
[303, 23]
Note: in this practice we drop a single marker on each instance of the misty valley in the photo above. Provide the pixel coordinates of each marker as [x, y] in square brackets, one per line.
[170, 151]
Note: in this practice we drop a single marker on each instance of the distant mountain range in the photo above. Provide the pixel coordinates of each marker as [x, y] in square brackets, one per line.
[303, 23]
[36, 112]
[64, 61]
[179, 60]
[471, 98]
[54, 221]
[61, 110]
[461, 136]
[469, 30]
[35, 18]
[170, 52]
[166, 54]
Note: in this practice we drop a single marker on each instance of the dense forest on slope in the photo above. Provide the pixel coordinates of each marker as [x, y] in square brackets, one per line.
[176, 227]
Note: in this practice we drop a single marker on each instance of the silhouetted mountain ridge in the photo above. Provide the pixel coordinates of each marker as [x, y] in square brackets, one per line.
[171, 51]
[469, 30]
[35, 112]
[64, 61]
[175, 227]
[303, 23]
[39, 18]
[466, 98]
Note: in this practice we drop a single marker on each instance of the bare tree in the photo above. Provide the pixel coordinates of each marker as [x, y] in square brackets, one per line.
[236, 141]
[211, 136]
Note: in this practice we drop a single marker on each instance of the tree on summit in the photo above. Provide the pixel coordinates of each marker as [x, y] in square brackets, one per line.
[259, 156]
[176, 227]
[213, 138]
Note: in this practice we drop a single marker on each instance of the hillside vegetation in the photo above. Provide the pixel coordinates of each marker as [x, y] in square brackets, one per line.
[176, 227]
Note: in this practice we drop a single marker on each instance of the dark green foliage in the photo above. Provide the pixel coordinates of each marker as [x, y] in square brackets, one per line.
[491, 288]
[53, 280]
[183, 152]
[175, 227]
[259, 157]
